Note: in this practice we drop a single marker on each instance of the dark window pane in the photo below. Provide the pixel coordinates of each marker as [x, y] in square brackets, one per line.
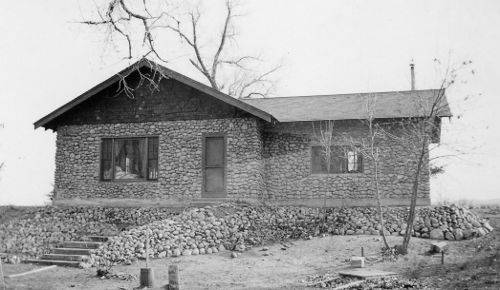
[130, 158]
[106, 159]
[360, 162]
[337, 157]
[214, 181]
[318, 160]
[214, 151]
[153, 158]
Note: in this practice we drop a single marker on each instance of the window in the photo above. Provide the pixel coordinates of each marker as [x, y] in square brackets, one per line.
[342, 160]
[129, 158]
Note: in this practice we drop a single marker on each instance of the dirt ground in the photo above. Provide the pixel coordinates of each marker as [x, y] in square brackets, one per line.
[469, 264]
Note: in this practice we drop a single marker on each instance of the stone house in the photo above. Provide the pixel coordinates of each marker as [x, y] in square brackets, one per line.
[184, 142]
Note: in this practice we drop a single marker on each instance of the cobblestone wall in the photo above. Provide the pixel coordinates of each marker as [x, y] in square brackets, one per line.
[180, 159]
[287, 153]
[272, 162]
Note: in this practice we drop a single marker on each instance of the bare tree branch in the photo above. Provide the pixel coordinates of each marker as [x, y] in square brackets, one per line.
[238, 76]
[223, 37]
[117, 13]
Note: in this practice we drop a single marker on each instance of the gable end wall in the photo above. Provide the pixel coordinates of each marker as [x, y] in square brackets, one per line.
[180, 160]
[173, 101]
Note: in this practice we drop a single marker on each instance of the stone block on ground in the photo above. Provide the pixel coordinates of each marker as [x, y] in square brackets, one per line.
[436, 234]
[487, 226]
[358, 262]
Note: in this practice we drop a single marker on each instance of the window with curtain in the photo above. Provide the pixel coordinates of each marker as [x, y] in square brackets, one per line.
[129, 158]
[343, 159]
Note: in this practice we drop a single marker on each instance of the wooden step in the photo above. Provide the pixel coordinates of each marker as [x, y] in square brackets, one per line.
[55, 262]
[101, 239]
[65, 257]
[82, 244]
[201, 202]
[71, 251]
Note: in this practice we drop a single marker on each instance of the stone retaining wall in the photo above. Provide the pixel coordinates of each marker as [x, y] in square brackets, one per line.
[238, 227]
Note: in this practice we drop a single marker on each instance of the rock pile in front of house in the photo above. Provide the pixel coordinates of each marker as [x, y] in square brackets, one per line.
[40, 228]
[236, 227]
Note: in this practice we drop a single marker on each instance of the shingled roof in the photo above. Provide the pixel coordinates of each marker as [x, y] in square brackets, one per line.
[396, 104]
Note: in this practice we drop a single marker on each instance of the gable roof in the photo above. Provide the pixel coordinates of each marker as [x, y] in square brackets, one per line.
[396, 104]
[168, 73]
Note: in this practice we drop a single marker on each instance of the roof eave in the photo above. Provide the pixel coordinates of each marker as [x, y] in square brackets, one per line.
[360, 118]
[83, 97]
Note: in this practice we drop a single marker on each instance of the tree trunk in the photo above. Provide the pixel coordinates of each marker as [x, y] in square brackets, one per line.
[379, 205]
[413, 203]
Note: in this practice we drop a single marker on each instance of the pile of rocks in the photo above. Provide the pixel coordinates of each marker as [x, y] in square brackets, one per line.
[236, 227]
[450, 223]
[38, 229]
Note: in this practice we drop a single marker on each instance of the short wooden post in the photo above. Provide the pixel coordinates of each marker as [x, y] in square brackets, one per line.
[1, 274]
[362, 252]
[146, 277]
[173, 277]
[442, 257]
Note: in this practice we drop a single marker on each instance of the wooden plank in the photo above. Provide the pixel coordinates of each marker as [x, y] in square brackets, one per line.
[438, 247]
[348, 285]
[31, 272]
[366, 273]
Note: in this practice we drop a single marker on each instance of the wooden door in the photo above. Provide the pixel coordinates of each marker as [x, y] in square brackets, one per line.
[214, 166]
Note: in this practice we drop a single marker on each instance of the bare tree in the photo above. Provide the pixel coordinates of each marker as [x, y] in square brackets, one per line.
[372, 152]
[324, 135]
[369, 148]
[417, 133]
[143, 28]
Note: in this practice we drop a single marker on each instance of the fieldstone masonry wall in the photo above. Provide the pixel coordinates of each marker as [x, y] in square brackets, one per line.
[287, 153]
[271, 162]
[180, 159]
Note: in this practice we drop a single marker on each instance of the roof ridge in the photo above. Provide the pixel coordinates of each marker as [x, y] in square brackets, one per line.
[342, 94]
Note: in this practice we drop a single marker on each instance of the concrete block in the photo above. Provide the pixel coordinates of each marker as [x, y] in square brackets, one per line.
[358, 262]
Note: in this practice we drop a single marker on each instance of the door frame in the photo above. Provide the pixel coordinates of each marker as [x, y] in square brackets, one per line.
[203, 164]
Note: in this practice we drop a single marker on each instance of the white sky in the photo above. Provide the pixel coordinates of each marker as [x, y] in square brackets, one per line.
[327, 47]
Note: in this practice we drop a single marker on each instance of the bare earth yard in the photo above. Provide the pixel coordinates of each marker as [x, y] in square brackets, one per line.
[470, 264]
